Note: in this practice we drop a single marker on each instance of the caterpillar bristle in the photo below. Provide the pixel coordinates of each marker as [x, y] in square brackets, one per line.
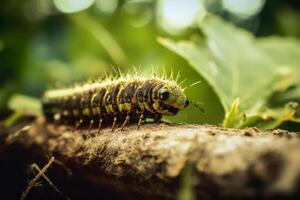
[196, 83]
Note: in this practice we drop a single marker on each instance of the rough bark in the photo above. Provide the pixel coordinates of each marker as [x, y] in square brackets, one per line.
[149, 162]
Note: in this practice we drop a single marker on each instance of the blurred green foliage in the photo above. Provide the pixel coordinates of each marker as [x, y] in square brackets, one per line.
[45, 44]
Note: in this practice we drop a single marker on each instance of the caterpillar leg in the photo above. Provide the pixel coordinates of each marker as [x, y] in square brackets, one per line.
[78, 124]
[125, 122]
[140, 121]
[57, 118]
[157, 118]
[91, 125]
[100, 124]
[114, 124]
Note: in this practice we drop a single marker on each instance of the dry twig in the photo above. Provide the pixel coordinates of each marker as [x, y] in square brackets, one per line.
[33, 182]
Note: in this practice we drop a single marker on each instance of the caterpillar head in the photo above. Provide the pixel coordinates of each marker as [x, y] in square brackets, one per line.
[171, 99]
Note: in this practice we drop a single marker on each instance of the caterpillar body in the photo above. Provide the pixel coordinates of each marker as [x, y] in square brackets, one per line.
[115, 102]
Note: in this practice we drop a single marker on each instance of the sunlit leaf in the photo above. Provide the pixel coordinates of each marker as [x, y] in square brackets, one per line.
[229, 62]
[234, 65]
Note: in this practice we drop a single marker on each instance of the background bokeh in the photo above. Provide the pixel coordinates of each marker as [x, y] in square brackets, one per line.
[53, 43]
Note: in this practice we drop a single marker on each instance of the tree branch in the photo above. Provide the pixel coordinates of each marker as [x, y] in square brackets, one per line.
[226, 163]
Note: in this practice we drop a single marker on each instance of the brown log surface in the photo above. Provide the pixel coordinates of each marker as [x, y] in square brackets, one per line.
[149, 162]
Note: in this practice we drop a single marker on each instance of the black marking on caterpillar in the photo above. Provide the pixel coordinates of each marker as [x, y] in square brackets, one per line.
[115, 102]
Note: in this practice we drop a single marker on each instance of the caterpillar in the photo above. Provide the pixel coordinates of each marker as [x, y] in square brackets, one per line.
[118, 101]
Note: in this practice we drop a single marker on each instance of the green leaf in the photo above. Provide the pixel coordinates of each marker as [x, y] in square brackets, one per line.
[285, 52]
[232, 62]
[25, 105]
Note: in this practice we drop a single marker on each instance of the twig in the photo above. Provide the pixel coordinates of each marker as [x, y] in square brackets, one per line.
[33, 182]
[36, 167]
